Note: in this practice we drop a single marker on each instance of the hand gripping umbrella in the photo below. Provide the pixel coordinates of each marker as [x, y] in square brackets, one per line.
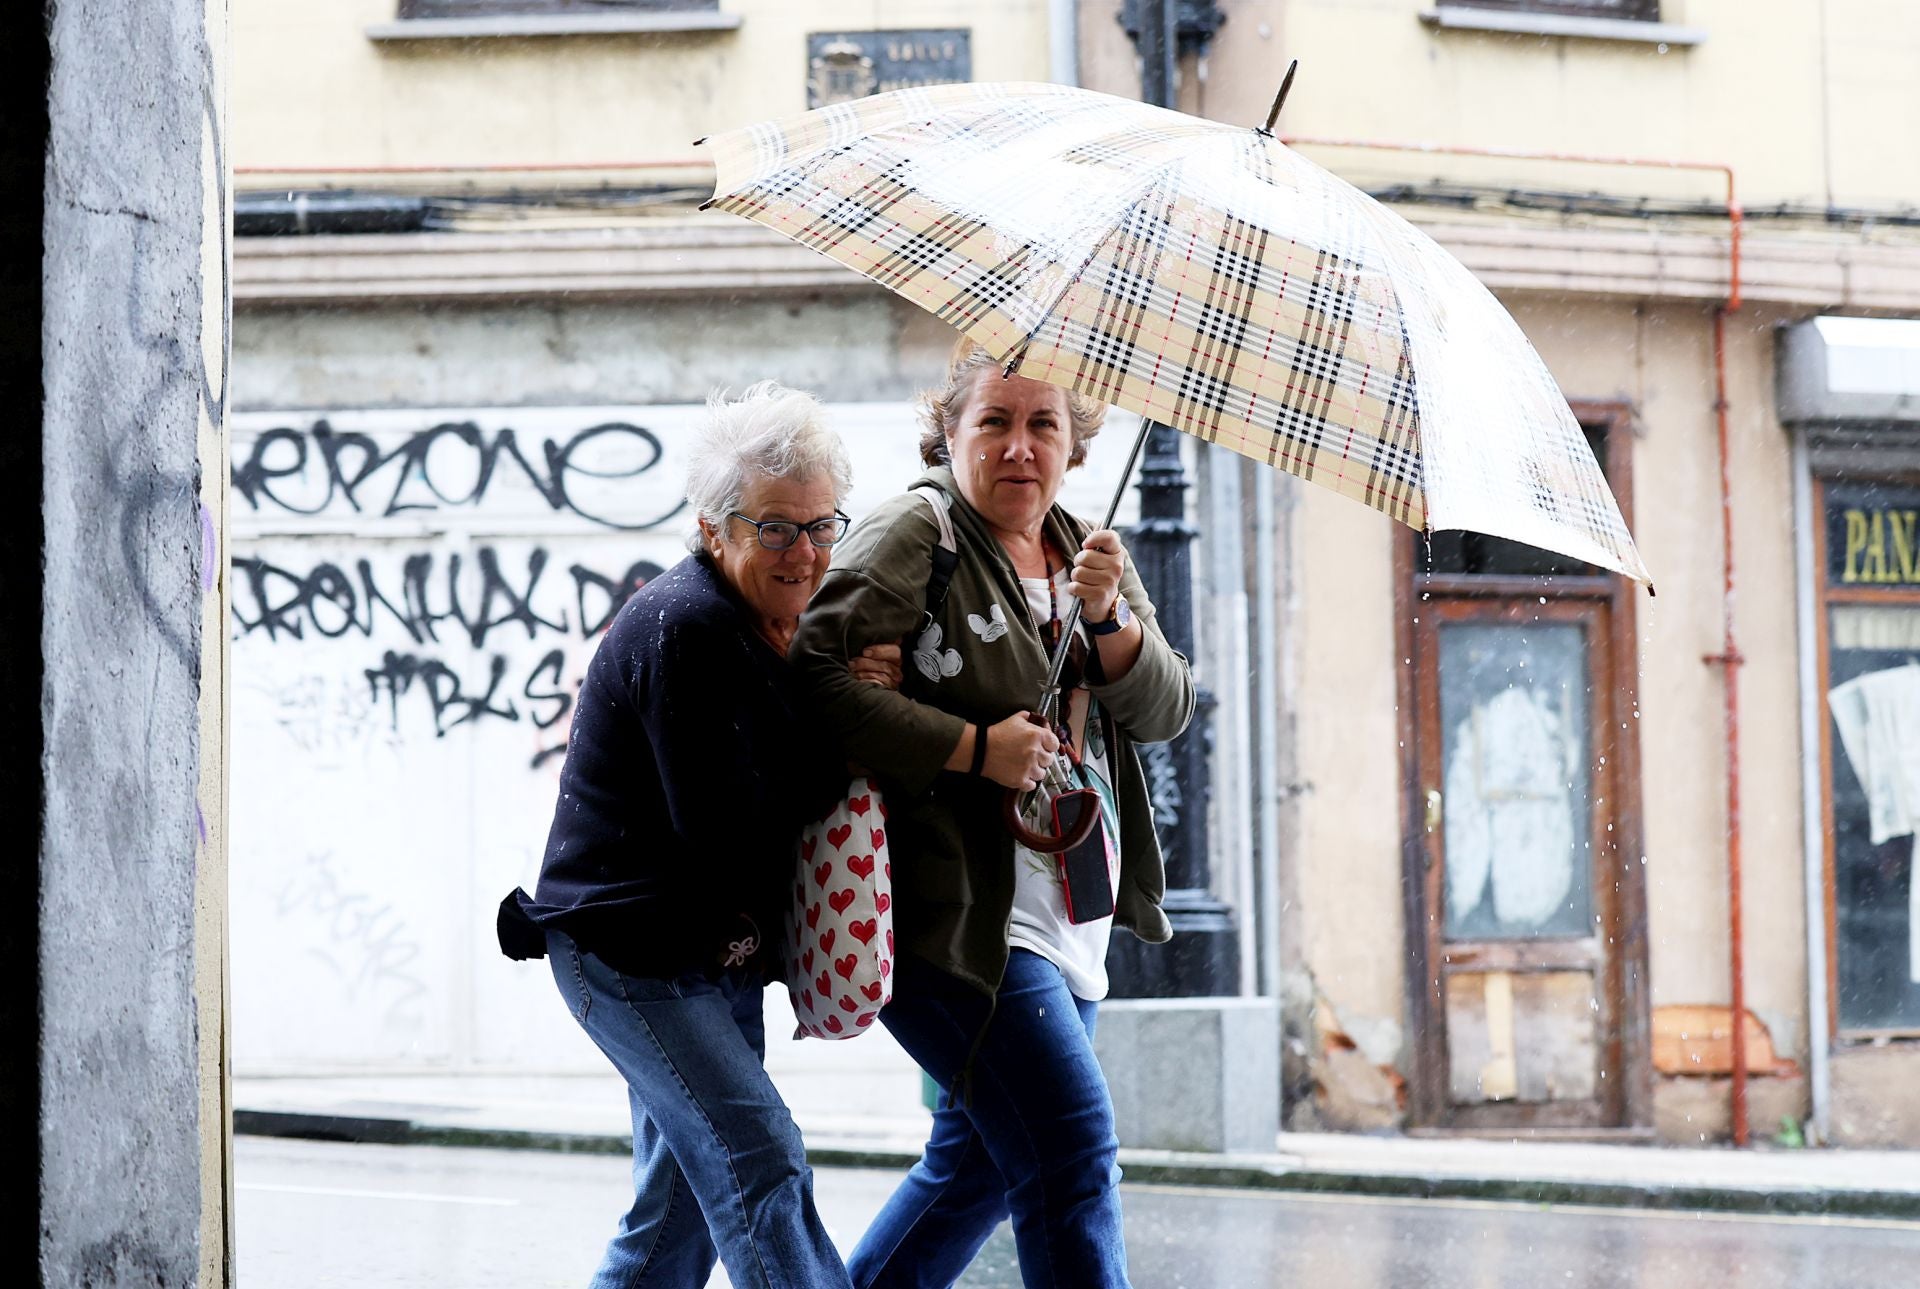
[1202, 275]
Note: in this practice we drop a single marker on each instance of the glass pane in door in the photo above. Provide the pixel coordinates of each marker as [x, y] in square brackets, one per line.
[1516, 789]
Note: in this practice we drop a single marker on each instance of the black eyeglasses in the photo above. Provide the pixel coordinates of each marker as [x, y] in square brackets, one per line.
[778, 534]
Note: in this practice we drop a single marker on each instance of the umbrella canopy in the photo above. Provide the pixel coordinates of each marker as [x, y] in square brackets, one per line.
[1203, 275]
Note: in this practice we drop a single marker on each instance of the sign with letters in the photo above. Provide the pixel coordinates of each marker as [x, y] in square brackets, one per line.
[847, 65]
[1873, 536]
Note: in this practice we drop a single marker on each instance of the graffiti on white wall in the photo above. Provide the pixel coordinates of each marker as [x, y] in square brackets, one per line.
[415, 596]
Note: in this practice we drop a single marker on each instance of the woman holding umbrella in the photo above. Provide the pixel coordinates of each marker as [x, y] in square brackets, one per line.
[1002, 961]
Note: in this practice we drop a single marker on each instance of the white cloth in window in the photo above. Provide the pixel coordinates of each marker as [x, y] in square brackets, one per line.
[1878, 716]
[1509, 811]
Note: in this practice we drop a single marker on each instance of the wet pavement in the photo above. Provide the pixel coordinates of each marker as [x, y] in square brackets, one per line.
[325, 1214]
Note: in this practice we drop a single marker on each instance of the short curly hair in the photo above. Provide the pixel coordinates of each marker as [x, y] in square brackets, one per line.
[769, 431]
[940, 407]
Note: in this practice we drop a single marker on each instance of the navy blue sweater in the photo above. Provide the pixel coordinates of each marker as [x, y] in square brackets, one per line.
[691, 766]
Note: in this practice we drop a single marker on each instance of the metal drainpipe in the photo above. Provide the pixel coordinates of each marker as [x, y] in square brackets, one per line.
[1063, 41]
[1729, 657]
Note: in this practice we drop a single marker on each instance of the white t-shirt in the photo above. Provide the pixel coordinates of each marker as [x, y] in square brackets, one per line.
[1039, 900]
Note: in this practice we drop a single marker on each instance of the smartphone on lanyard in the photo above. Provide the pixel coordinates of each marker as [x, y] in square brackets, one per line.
[1083, 869]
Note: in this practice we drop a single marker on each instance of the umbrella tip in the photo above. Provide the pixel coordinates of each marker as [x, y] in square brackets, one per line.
[1280, 99]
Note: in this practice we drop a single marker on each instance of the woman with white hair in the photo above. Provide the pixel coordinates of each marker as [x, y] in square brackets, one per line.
[692, 763]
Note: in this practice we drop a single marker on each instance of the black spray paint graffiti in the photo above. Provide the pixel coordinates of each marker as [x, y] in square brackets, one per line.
[445, 466]
[427, 593]
[284, 603]
[458, 701]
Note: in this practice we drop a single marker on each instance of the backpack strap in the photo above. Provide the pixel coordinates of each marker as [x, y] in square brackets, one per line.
[946, 556]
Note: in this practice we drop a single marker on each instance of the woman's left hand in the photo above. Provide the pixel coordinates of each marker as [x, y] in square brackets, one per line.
[1096, 574]
[878, 665]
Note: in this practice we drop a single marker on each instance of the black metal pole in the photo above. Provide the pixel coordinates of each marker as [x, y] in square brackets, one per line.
[1203, 959]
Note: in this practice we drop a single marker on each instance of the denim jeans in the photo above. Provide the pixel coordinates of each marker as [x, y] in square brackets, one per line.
[717, 1160]
[1034, 1140]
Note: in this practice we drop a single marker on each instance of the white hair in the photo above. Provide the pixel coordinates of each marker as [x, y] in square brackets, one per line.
[769, 430]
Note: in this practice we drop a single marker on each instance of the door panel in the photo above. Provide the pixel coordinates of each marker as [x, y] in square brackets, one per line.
[1516, 777]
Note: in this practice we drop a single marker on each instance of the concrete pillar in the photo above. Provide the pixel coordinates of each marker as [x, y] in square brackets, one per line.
[115, 720]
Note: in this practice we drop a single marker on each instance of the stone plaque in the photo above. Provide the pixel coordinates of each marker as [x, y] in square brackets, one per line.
[845, 65]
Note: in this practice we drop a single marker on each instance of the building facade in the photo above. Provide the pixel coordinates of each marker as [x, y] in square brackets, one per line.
[1473, 810]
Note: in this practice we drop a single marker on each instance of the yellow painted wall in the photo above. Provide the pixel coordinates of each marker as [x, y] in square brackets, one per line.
[312, 91]
[1809, 103]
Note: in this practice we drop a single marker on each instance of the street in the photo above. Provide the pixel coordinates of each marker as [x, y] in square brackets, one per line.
[314, 1214]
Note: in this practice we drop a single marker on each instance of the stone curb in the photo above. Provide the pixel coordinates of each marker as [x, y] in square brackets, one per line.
[1156, 1166]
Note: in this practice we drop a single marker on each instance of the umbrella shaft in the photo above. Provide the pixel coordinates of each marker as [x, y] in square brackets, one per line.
[1051, 691]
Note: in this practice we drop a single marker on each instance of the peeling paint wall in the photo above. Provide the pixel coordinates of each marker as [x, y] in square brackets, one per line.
[133, 356]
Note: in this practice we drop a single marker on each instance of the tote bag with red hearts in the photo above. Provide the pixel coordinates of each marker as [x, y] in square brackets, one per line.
[840, 943]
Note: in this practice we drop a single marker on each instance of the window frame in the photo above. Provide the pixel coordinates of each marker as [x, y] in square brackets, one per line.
[1626, 11]
[428, 10]
[1827, 595]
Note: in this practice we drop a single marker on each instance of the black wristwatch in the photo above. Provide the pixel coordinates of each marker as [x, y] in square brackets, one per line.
[1122, 615]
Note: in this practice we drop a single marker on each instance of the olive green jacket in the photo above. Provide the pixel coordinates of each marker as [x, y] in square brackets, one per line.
[953, 868]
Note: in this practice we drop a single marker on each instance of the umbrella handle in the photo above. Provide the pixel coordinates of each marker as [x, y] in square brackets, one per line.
[1044, 843]
[1014, 816]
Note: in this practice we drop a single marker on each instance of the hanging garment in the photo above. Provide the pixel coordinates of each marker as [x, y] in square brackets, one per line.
[1878, 716]
[1509, 818]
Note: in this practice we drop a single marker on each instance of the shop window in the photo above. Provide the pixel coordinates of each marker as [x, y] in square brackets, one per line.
[1631, 10]
[1870, 585]
[493, 8]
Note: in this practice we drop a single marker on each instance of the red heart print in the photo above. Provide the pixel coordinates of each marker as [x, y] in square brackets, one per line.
[848, 1005]
[799, 892]
[886, 967]
[882, 902]
[879, 838]
[864, 931]
[863, 1020]
[860, 805]
[889, 870]
[822, 872]
[806, 1000]
[889, 939]
[807, 845]
[826, 940]
[837, 837]
[846, 965]
[841, 900]
[813, 917]
[824, 983]
[861, 866]
[833, 1023]
[872, 991]
[883, 807]
[806, 962]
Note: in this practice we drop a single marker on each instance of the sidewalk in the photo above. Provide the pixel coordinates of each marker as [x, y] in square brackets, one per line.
[859, 1104]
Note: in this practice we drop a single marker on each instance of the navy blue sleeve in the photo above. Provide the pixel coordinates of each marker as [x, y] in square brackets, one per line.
[738, 764]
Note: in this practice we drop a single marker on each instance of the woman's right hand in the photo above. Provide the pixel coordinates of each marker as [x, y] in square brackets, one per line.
[1019, 752]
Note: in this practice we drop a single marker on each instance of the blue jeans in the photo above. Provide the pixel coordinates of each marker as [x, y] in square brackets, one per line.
[716, 1157]
[1034, 1140]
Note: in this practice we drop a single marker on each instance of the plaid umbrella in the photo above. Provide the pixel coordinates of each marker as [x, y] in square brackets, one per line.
[1202, 275]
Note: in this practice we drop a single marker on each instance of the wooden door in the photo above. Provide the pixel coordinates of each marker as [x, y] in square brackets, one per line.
[1517, 772]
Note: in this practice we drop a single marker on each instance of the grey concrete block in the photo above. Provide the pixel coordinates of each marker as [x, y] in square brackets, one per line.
[1194, 1074]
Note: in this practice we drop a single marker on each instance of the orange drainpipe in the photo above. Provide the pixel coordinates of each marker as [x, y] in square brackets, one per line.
[1729, 657]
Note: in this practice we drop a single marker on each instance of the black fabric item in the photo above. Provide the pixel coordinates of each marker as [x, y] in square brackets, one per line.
[979, 749]
[691, 765]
